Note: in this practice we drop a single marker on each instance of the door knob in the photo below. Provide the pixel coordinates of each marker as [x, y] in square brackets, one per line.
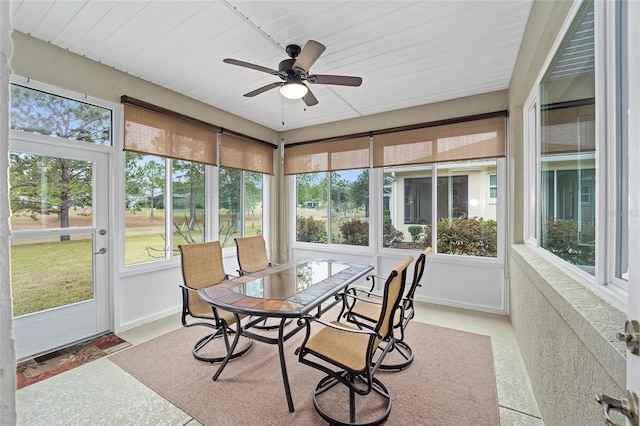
[631, 336]
[101, 251]
[628, 407]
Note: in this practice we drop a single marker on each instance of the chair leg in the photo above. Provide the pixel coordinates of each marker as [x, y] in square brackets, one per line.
[404, 350]
[219, 333]
[328, 382]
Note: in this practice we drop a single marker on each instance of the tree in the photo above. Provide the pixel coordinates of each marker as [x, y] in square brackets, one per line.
[49, 185]
[151, 182]
[311, 187]
[189, 178]
[359, 191]
[253, 192]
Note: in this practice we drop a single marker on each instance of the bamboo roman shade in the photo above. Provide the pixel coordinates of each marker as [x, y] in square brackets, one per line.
[152, 132]
[244, 154]
[344, 154]
[465, 140]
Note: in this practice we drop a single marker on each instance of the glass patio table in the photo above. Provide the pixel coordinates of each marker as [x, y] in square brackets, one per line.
[287, 291]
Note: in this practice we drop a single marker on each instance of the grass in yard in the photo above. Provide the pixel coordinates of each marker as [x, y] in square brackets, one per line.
[48, 274]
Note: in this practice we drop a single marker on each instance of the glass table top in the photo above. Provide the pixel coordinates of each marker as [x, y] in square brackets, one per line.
[286, 283]
[287, 290]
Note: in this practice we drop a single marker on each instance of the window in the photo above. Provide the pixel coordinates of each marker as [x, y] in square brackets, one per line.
[581, 166]
[188, 206]
[465, 220]
[348, 215]
[167, 156]
[47, 114]
[349, 219]
[145, 189]
[493, 186]
[240, 205]
[311, 208]
[568, 148]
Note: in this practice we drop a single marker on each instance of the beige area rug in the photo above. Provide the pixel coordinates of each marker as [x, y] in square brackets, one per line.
[451, 381]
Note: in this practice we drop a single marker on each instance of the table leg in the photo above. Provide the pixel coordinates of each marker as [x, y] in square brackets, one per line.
[283, 364]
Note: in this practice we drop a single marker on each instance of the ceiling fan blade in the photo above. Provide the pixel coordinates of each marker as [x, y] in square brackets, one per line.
[309, 99]
[262, 89]
[250, 65]
[309, 55]
[340, 80]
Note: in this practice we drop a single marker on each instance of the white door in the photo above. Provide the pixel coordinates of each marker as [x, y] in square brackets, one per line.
[59, 243]
[628, 403]
[633, 361]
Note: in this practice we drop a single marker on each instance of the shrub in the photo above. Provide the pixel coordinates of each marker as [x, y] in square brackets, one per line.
[355, 233]
[415, 231]
[468, 236]
[310, 230]
[390, 235]
[565, 240]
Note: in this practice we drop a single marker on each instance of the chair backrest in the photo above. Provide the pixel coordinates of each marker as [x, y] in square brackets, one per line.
[393, 289]
[417, 276]
[202, 266]
[252, 253]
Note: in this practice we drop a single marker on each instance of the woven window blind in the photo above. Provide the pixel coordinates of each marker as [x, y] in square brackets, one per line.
[155, 133]
[243, 154]
[345, 154]
[569, 130]
[467, 140]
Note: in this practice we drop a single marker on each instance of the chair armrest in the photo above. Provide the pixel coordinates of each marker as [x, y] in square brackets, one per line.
[372, 278]
[185, 287]
[363, 299]
[367, 292]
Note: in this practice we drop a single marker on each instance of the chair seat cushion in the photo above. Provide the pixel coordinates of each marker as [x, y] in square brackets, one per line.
[371, 311]
[204, 310]
[348, 350]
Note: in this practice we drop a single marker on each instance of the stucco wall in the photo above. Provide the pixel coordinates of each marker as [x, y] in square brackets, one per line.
[566, 336]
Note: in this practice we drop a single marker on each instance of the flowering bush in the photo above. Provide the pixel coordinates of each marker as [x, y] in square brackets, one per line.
[468, 236]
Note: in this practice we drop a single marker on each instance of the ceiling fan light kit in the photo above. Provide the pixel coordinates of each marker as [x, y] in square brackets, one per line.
[295, 71]
[293, 90]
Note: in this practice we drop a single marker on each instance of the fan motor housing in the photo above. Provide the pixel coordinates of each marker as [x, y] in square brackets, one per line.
[285, 66]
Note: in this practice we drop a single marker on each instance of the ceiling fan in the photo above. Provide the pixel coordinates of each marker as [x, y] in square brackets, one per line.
[295, 71]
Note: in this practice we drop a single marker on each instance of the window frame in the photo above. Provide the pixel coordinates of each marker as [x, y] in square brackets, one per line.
[607, 61]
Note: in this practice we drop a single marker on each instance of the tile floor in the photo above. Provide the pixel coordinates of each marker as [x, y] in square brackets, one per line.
[100, 393]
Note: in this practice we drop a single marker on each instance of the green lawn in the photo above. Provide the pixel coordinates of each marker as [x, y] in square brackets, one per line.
[46, 275]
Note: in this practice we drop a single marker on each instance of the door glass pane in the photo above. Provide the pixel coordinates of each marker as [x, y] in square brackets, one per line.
[50, 271]
[188, 203]
[568, 148]
[49, 192]
[230, 214]
[144, 201]
[350, 207]
[311, 208]
[53, 269]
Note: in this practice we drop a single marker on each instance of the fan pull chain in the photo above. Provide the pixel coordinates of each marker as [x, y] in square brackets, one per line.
[282, 102]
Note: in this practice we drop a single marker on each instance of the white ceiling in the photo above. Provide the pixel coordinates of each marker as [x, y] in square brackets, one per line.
[408, 53]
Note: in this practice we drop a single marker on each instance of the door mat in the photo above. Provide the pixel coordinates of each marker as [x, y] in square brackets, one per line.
[45, 366]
